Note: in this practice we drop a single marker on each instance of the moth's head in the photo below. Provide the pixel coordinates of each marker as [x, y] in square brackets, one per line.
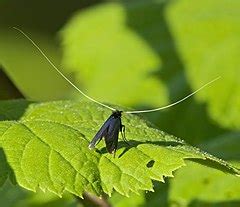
[117, 114]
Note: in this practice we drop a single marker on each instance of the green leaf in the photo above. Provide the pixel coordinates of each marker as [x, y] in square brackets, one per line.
[211, 187]
[97, 44]
[226, 146]
[26, 67]
[47, 148]
[207, 35]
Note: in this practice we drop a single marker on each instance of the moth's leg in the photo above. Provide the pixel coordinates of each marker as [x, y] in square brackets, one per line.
[124, 134]
[99, 140]
[122, 129]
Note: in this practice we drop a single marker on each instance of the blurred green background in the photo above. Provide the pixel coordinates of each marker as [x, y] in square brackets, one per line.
[138, 54]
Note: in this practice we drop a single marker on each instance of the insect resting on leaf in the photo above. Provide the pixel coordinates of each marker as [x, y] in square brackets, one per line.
[110, 131]
[113, 125]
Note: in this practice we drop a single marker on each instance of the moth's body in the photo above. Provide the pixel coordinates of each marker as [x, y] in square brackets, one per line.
[110, 132]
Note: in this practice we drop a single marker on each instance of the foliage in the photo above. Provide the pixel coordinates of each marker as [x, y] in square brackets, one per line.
[209, 43]
[139, 54]
[14, 62]
[208, 187]
[60, 133]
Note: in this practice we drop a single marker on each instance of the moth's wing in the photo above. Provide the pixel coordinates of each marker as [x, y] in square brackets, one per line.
[111, 137]
[101, 133]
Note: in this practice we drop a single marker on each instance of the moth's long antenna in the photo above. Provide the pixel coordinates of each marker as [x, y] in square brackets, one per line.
[175, 103]
[51, 63]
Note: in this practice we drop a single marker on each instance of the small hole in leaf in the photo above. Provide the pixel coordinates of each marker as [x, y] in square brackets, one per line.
[150, 163]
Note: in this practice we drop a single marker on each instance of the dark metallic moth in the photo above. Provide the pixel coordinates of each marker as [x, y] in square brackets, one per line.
[110, 131]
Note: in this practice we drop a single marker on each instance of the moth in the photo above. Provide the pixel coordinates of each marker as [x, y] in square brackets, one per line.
[113, 125]
[110, 131]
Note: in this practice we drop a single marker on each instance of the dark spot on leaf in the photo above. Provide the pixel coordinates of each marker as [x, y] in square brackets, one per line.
[150, 163]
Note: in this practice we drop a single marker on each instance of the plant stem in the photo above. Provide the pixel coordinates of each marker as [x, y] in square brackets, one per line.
[94, 201]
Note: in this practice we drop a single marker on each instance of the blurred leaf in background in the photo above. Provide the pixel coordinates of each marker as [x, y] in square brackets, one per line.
[208, 37]
[203, 186]
[119, 50]
[29, 72]
[113, 61]
[25, 66]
